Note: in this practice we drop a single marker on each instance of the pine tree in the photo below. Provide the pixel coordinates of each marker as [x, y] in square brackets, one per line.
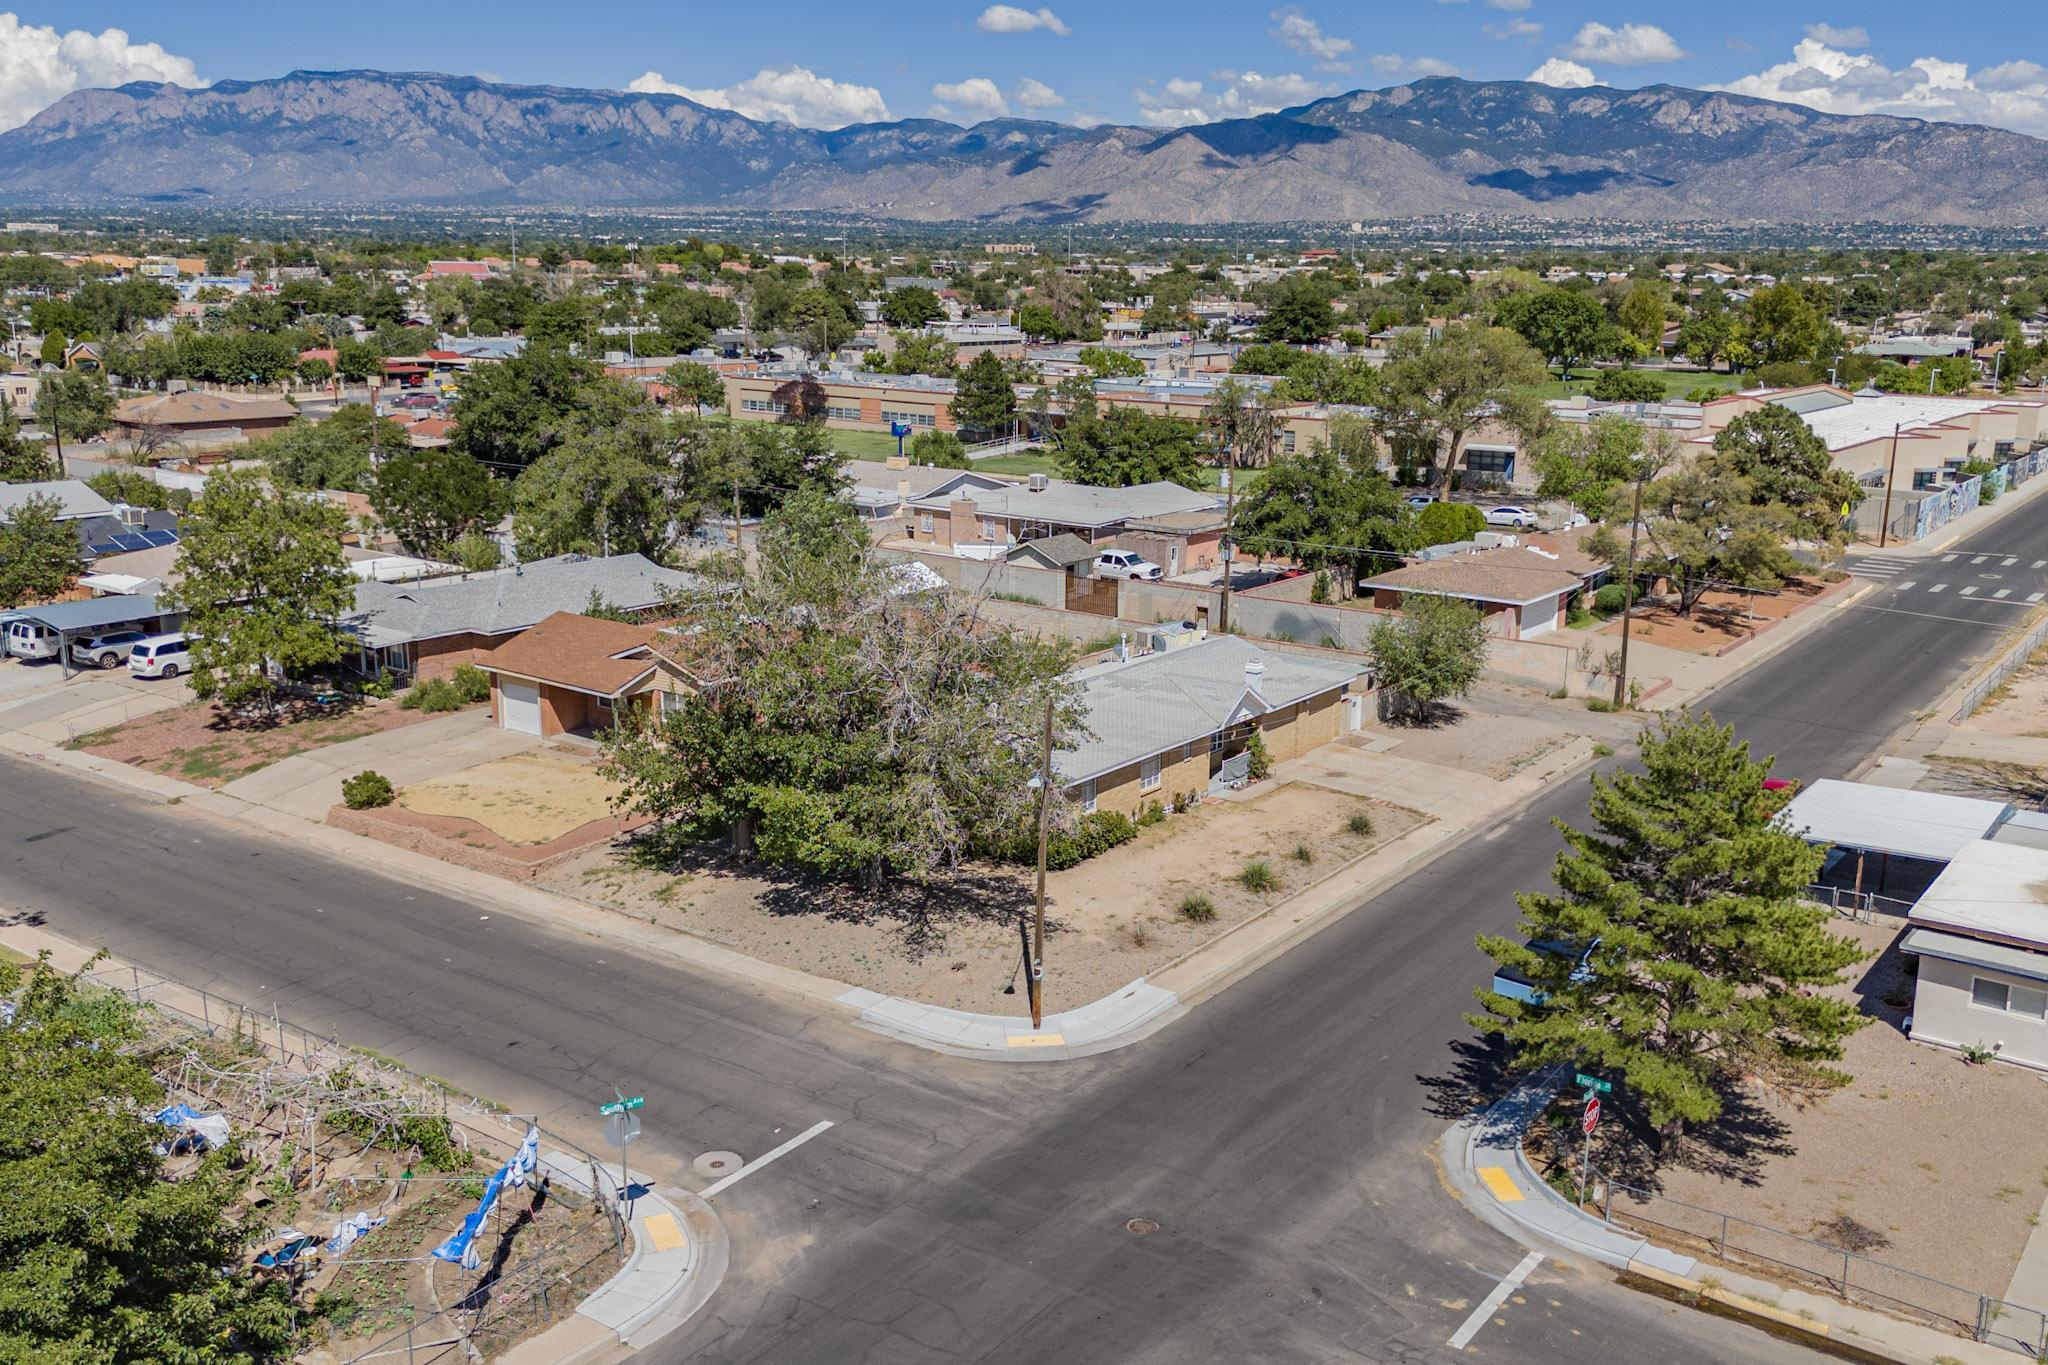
[1705, 965]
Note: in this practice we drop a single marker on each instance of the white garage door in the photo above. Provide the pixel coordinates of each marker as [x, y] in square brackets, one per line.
[1539, 618]
[519, 708]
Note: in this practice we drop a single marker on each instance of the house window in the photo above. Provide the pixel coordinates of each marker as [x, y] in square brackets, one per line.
[1148, 775]
[841, 414]
[1087, 798]
[671, 702]
[1500, 462]
[1999, 995]
[1287, 442]
[924, 523]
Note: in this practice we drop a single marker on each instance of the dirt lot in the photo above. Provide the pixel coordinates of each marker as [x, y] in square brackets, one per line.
[1114, 918]
[2020, 707]
[1924, 1161]
[204, 745]
[523, 799]
[1719, 620]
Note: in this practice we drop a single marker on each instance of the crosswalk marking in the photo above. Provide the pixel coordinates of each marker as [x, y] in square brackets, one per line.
[1939, 587]
[1948, 559]
[2041, 563]
[2011, 560]
[2003, 592]
[2035, 596]
[1908, 585]
[1979, 559]
[1970, 591]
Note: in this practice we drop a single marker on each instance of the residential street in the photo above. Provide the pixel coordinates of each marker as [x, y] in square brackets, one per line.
[1279, 1135]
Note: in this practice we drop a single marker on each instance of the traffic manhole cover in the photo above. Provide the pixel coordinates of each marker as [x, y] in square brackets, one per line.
[713, 1165]
[1142, 1226]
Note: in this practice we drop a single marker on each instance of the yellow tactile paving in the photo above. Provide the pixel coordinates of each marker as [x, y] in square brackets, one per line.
[1501, 1183]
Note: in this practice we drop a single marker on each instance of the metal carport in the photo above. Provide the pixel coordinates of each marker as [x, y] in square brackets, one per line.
[1928, 827]
[97, 616]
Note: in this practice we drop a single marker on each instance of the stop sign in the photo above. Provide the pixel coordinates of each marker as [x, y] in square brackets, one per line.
[1592, 1116]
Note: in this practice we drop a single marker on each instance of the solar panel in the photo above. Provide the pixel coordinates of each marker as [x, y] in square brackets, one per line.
[103, 547]
[131, 542]
[160, 538]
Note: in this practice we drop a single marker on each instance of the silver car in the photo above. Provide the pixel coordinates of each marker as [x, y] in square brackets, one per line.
[106, 651]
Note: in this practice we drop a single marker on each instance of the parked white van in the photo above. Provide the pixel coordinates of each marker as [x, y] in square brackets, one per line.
[160, 656]
[31, 640]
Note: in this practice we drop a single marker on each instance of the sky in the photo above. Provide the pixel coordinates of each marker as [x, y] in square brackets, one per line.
[827, 63]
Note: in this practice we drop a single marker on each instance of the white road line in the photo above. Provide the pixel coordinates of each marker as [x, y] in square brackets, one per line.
[1970, 591]
[2035, 596]
[2003, 592]
[784, 1150]
[2011, 560]
[2041, 564]
[1939, 587]
[1979, 559]
[1948, 559]
[1908, 585]
[1463, 1336]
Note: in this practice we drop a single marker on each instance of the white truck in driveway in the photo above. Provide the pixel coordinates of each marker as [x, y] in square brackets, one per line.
[1127, 564]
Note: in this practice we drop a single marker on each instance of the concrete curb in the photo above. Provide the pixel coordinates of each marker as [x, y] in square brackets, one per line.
[1484, 1165]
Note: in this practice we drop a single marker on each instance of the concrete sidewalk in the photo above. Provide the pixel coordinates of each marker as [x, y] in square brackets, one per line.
[1970, 525]
[1485, 1166]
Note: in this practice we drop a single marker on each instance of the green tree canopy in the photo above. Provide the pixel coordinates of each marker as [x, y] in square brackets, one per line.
[39, 553]
[104, 1257]
[1564, 325]
[74, 405]
[1705, 965]
[858, 731]
[1436, 392]
[265, 584]
[1642, 314]
[1433, 651]
[694, 384]
[1447, 523]
[1787, 464]
[607, 490]
[1323, 508]
[984, 396]
[20, 460]
[912, 306]
[1298, 310]
[334, 453]
[1124, 446]
[512, 413]
[432, 497]
[1585, 464]
[1104, 363]
[916, 353]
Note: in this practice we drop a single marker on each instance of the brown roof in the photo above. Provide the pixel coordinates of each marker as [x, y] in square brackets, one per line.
[201, 410]
[580, 652]
[1489, 576]
[1570, 549]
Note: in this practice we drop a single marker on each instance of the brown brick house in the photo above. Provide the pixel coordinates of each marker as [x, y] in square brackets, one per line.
[575, 674]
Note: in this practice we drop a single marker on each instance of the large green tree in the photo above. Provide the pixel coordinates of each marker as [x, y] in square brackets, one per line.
[1324, 509]
[265, 586]
[1702, 964]
[1564, 325]
[694, 384]
[1123, 446]
[335, 453]
[1786, 463]
[75, 404]
[1433, 651]
[39, 552]
[616, 489]
[103, 1256]
[912, 306]
[21, 461]
[1436, 392]
[513, 412]
[431, 498]
[1298, 311]
[984, 397]
[857, 731]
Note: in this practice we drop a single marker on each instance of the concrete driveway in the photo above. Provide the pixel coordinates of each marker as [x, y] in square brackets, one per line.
[37, 699]
[307, 785]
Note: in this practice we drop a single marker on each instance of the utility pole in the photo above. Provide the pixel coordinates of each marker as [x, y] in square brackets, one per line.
[1884, 527]
[1628, 586]
[1229, 546]
[1034, 976]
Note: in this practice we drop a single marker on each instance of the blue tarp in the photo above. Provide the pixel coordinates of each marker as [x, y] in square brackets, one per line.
[460, 1247]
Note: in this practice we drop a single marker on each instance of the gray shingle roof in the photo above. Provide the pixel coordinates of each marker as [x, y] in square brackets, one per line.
[1078, 504]
[1061, 551]
[506, 600]
[1183, 696]
[74, 499]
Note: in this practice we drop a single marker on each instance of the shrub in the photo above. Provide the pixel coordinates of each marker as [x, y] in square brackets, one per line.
[1152, 814]
[1360, 823]
[1626, 386]
[1787, 374]
[367, 789]
[1610, 599]
[1445, 523]
[1261, 761]
[1258, 875]
[1197, 908]
[380, 686]
[472, 683]
[433, 695]
[1319, 591]
[1303, 854]
[1098, 832]
[1601, 704]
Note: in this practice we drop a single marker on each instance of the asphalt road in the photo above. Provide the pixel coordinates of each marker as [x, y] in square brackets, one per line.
[1279, 1135]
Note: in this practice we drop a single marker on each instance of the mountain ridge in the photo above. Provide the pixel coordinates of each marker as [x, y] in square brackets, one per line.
[365, 138]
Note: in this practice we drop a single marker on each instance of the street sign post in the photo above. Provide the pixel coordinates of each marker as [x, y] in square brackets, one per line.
[621, 1126]
[1592, 1118]
[622, 1105]
[1587, 1123]
[1594, 1083]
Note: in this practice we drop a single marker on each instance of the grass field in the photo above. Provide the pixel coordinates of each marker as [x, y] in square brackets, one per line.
[1677, 383]
[865, 445]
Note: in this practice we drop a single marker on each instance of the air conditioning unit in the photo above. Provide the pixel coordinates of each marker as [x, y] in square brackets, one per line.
[131, 515]
[1038, 483]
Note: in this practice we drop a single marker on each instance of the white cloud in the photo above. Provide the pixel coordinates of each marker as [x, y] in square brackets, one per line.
[1513, 28]
[1854, 36]
[791, 94]
[1306, 36]
[1034, 95]
[977, 96]
[2010, 95]
[1629, 45]
[1393, 64]
[1182, 101]
[1511, 6]
[1563, 74]
[39, 66]
[1011, 19]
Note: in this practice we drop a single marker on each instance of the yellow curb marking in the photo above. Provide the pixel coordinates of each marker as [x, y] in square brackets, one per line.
[663, 1231]
[1037, 1040]
[1501, 1183]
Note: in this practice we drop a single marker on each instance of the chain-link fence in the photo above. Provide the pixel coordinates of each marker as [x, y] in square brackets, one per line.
[1994, 677]
[1865, 907]
[1847, 1274]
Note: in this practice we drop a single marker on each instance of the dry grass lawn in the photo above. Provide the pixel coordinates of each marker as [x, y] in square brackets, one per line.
[523, 799]
[203, 744]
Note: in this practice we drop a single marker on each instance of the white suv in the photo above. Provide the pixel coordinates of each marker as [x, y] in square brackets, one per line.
[1127, 564]
[159, 656]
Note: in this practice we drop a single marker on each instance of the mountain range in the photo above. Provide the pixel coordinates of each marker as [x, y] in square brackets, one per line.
[1436, 146]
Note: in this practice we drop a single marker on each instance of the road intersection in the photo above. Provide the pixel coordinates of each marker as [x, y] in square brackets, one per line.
[1252, 1183]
